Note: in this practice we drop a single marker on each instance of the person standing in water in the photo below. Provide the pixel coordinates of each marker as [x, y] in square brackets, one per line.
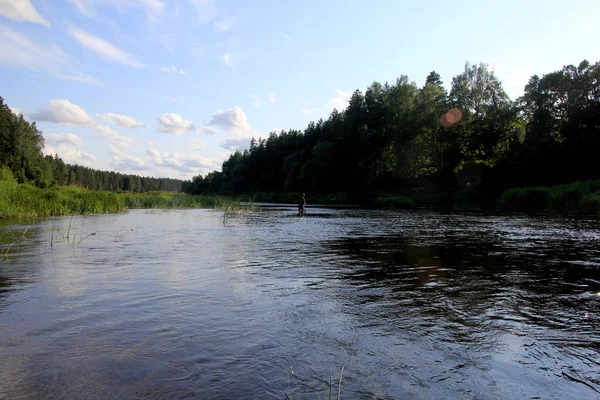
[302, 206]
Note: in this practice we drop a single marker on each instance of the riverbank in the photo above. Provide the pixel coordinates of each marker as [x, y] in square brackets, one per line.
[21, 200]
[407, 199]
[578, 198]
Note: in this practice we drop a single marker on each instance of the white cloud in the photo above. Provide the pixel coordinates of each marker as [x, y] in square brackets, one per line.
[118, 142]
[18, 51]
[514, 85]
[308, 111]
[255, 100]
[205, 9]
[103, 48]
[152, 8]
[21, 11]
[228, 58]
[68, 147]
[174, 123]
[198, 50]
[288, 37]
[340, 102]
[124, 121]
[129, 164]
[236, 144]
[272, 97]
[224, 25]
[62, 112]
[16, 110]
[232, 120]
[209, 130]
[191, 163]
[196, 144]
[172, 69]
[62, 139]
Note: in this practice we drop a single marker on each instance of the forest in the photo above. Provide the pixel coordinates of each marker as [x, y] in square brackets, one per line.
[22, 159]
[392, 138]
[404, 136]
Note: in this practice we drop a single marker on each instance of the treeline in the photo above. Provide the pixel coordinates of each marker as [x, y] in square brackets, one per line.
[21, 159]
[402, 135]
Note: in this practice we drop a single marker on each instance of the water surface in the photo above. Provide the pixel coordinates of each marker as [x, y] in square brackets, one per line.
[198, 304]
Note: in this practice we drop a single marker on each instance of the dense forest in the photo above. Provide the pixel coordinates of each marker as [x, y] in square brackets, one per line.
[393, 137]
[403, 136]
[21, 158]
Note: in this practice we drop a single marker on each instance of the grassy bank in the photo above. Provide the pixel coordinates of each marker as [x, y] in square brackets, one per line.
[18, 200]
[571, 199]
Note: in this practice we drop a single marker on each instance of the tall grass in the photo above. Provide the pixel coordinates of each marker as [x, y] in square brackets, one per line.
[19, 200]
[569, 199]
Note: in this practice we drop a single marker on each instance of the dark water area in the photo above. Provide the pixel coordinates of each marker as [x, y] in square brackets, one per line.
[198, 304]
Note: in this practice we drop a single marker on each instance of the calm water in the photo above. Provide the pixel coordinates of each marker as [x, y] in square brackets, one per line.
[195, 304]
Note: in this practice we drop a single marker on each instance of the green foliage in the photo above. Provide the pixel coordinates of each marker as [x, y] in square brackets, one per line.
[23, 200]
[463, 147]
[575, 198]
[6, 174]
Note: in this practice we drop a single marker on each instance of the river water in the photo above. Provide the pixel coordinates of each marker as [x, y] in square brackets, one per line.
[260, 305]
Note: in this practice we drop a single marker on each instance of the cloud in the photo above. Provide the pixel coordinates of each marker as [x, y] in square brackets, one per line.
[174, 123]
[62, 112]
[118, 142]
[196, 144]
[236, 144]
[124, 121]
[227, 58]
[209, 130]
[205, 9]
[288, 37]
[129, 164]
[272, 97]
[224, 25]
[21, 11]
[514, 85]
[339, 102]
[198, 50]
[308, 111]
[19, 52]
[68, 147]
[172, 69]
[103, 48]
[62, 139]
[191, 163]
[151, 8]
[255, 100]
[232, 120]
[16, 110]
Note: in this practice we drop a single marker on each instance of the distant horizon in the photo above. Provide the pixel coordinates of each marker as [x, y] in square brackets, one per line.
[170, 89]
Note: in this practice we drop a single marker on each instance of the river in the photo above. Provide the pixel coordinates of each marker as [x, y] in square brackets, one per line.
[198, 304]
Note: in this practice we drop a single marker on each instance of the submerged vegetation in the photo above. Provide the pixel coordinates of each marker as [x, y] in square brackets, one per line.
[23, 200]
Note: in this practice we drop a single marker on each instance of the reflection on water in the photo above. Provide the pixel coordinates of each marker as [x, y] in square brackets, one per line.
[197, 304]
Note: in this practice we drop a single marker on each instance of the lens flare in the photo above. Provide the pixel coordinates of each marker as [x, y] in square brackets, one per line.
[451, 117]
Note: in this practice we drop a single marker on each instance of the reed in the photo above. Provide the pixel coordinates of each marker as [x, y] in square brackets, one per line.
[21, 200]
[571, 199]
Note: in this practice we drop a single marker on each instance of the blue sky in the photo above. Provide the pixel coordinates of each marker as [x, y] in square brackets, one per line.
[171, 87]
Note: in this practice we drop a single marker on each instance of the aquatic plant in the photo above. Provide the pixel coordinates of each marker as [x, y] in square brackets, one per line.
[22, 200]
